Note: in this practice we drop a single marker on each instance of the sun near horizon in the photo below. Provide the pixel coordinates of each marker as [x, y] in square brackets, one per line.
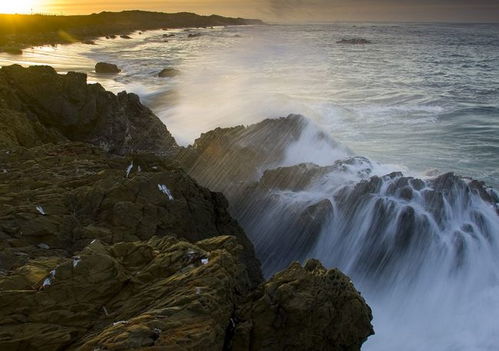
[21, 6]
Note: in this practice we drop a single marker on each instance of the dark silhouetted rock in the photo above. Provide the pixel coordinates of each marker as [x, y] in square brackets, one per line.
[64, 107]
[107, 68]
[11, 50]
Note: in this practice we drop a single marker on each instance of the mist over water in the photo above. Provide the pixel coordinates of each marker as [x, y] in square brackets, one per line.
[423, 250]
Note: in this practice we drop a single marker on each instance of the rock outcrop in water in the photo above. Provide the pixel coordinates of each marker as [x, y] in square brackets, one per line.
[295, 211]
[106, 244]
[106, 68]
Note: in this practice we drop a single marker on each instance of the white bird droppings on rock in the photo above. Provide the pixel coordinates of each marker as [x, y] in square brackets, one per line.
[129, 169]
[41, 210]
[120, 322]
[165, 191]
[204, 261]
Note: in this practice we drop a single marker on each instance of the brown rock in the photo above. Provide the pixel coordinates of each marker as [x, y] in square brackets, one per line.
[304, 308]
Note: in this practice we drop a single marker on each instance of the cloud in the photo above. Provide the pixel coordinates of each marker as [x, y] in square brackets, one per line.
[386, 9]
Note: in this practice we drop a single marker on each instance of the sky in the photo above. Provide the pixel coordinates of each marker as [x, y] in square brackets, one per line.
[284, 10]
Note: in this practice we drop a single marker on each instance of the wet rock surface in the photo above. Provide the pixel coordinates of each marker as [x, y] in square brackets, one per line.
[226, 157]
[107, 244]
[298, 211]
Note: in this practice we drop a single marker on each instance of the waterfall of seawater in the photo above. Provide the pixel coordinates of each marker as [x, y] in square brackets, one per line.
[423, 251]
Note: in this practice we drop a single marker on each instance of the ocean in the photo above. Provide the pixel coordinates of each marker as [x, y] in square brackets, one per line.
[422, 99]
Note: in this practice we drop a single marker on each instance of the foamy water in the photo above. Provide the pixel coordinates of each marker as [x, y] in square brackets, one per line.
[420, 97]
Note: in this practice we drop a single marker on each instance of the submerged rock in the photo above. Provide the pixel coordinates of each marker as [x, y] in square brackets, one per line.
[354, 41]
[107, 68]
[168, 73]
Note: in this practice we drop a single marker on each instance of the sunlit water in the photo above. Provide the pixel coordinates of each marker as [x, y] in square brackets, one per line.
[419, 98]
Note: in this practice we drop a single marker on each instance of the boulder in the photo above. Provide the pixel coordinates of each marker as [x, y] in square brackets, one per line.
[106, 68]
[125, 37]
[303, 308]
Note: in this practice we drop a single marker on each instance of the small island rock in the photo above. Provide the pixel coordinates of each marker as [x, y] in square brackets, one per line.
[103, 67]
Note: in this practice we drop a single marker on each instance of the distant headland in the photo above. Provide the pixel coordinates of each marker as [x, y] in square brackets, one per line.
[21, 31]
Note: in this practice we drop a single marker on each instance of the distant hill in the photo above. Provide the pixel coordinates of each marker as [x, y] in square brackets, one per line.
[20, 31]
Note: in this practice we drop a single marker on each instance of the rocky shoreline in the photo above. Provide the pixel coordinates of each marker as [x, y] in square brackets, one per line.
[18, 32]
[108, 244]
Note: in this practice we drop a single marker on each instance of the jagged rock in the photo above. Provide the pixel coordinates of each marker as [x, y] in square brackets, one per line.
[225, 157]
[168, 73]
[163, 293]
[88, 194]
[103, 67]
[37, 105]
[102, 251]
[303, 308]
[125, 36]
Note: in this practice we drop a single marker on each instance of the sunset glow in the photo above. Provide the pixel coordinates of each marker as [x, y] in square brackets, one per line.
[19, 6]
